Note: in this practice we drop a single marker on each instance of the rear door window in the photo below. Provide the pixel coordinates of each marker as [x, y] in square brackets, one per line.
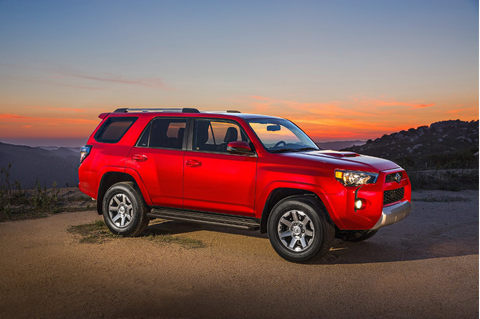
[114, 129]
[164, 133]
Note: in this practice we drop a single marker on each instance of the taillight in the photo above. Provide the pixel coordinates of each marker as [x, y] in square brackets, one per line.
[84, 151]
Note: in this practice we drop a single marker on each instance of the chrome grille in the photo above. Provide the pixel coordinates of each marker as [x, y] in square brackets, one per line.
[391, 177]
[393, 195]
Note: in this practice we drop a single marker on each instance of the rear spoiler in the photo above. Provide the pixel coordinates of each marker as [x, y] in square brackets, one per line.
[103, 115]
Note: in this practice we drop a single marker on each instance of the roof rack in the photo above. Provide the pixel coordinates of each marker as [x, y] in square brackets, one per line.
[184, 110]
[227, 111]
[179, 110]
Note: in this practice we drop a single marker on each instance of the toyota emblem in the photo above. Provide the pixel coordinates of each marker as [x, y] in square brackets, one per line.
[398, 177]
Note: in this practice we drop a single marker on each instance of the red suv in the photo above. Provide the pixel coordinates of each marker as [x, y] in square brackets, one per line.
[241, 170]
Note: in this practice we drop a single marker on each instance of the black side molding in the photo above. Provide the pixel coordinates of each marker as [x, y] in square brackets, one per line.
[247, 223]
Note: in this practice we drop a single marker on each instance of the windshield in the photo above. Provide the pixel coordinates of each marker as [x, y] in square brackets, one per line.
[279, 135]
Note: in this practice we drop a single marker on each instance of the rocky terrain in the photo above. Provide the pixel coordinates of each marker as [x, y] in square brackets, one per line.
[442, 145]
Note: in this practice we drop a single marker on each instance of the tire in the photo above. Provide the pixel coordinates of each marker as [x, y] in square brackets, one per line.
[124, 210]
[356, 236]
[300, 229]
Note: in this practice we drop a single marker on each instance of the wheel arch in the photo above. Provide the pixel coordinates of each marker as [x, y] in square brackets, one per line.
[111, 178]
[278, 194]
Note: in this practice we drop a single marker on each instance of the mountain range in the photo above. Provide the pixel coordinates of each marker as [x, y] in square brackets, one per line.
[32, 164]
[442, 145]
[338, 145]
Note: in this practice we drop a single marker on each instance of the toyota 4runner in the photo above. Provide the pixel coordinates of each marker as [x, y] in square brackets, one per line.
[246, 171]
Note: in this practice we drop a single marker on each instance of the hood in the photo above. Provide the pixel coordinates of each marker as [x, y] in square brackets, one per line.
[356, 161]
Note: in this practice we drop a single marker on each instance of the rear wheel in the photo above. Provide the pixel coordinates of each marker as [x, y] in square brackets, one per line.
[299, 229]
[124, 211]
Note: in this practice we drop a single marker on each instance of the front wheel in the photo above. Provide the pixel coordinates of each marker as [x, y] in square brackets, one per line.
[300, 229]
[124, 211]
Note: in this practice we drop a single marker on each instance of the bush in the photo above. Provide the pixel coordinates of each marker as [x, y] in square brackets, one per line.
[16, 203]
[451, 180]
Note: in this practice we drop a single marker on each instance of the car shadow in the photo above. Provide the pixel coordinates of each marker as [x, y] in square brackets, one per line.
[391, 244]
[169, 227]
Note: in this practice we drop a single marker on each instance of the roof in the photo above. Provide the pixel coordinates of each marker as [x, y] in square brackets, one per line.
[190, 112]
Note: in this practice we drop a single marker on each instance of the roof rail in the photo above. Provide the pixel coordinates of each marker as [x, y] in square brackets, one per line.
[227, 111]
[184, 110]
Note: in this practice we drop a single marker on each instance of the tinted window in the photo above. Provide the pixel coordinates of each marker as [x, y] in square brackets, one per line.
[214, 136]
[143, 142]
[164, 133]
[114, 129]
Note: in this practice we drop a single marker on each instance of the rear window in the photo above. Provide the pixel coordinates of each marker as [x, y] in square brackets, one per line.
[114, 129]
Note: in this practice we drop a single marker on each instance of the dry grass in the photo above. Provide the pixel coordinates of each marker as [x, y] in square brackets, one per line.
[98, 233]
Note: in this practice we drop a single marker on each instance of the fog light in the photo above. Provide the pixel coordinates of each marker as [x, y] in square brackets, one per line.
[358, 204]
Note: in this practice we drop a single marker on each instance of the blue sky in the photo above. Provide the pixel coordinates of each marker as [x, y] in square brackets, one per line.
[339, 69]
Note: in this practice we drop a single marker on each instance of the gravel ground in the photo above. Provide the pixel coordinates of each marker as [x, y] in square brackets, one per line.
[423, 267]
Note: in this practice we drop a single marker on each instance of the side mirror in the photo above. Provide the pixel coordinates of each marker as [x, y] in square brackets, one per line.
[239, 147]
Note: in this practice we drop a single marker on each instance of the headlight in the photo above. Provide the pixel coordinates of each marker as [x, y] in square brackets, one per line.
[352, 178]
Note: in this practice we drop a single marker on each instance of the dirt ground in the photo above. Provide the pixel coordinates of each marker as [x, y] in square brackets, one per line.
[423, 267]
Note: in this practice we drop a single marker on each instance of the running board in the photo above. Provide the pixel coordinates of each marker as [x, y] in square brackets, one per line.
[247, 223]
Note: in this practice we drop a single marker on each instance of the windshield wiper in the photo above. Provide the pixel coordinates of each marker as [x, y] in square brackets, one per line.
[306, 149]
[282, 150]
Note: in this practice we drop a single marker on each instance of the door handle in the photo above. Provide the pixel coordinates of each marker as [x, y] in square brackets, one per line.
[139, 158]
[193, 163]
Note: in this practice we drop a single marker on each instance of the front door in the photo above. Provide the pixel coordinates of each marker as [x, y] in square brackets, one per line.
[214, 179]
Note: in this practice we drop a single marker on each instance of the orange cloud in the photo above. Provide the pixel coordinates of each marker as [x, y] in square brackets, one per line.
[356, 117]
[12, 117]
[469, 110]
[421, 106]
[19, 118]
[386, 103]
[16, 126]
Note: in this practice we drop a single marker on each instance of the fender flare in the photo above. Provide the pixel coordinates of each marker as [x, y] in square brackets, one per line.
[141, 185]
[127, 171]
[264, 197]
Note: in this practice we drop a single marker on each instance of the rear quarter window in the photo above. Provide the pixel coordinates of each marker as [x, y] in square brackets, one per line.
[114, 129]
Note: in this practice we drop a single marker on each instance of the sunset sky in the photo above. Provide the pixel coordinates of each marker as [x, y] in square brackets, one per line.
[341, 70]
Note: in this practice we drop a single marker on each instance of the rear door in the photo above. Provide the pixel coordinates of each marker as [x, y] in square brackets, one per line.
[158, 158]
[214, 179]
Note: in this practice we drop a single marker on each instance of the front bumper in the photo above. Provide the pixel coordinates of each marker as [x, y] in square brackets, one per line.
[394, 213]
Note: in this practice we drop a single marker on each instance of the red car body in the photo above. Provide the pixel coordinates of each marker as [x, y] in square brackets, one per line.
[240, 185]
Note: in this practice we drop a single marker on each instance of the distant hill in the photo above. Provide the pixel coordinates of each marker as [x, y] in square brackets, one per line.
[30, 164]
[338, 145]
[442, 145]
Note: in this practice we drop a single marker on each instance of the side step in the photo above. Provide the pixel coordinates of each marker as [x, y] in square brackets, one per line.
[247, 223]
